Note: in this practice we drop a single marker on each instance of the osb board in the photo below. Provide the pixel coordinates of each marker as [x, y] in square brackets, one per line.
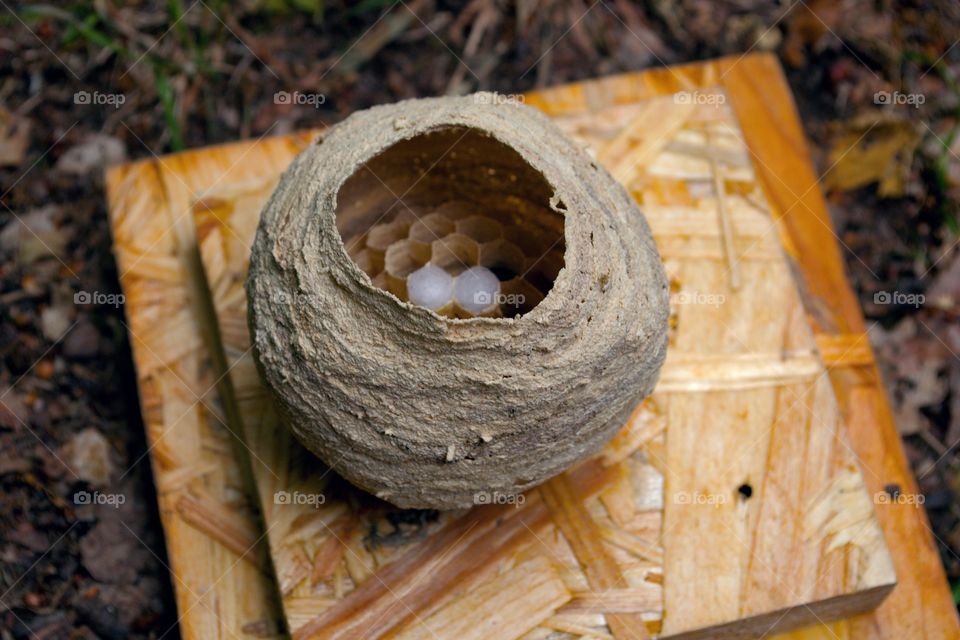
[921, 605]
[664, 537]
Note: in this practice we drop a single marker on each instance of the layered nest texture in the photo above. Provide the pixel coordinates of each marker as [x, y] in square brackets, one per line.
[554, 326]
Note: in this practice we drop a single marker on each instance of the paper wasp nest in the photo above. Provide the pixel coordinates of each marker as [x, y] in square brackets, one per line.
[449, 299]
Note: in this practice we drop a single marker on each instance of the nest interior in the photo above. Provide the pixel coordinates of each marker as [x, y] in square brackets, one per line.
[456, 198]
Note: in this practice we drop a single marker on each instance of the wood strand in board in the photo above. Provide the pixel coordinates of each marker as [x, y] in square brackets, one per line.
[442, 563]
[571, 517]
[226, 526]
[506, 607]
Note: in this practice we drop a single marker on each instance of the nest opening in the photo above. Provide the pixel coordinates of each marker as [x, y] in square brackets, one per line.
[456, 221]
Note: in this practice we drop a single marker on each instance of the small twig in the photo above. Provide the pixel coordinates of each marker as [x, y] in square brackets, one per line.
[377, 37]
[726, 224]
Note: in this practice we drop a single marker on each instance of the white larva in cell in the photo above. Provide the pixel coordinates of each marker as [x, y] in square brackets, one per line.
[429, 287]
[476, 290]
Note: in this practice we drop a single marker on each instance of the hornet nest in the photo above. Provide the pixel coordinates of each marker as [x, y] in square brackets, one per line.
[539, 308]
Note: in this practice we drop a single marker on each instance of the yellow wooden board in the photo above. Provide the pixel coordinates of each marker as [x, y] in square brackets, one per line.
[744, 388]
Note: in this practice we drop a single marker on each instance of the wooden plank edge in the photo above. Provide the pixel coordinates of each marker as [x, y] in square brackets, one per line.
[114, 173]
[822, 612]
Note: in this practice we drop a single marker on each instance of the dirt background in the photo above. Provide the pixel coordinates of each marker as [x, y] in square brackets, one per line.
[87, 84]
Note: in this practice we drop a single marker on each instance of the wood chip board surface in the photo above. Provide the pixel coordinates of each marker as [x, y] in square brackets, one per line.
[731, 502]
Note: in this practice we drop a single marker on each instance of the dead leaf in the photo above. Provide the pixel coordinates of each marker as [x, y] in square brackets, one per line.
[94, 154]
[944, 291]
[915, 369]
[806, 27]
[33, 235]
[873, 148]
[14, 138]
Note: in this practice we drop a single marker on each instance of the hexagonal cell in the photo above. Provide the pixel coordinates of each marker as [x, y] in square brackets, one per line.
[419, 250]
[480, 228]
[518, 297]
[532, 241]
[383, 235]
[504, 258]
[552, 263]
[543, 270]
[455, 253]
[382, 282]
[400, 261]
[456, 209]
[369, 261]
[476, 291]
[408, 214]
[430, 286]
[431, 227]
[354, 244]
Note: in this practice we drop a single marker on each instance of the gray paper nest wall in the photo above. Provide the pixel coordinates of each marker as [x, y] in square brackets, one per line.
[435, 409]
